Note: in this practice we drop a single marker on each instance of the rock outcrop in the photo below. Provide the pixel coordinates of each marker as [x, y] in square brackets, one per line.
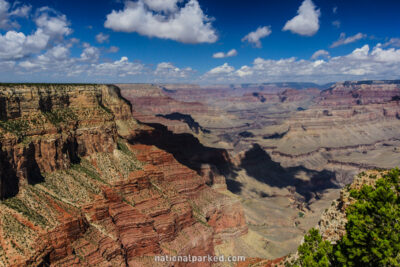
[332, 224]
[78, 189]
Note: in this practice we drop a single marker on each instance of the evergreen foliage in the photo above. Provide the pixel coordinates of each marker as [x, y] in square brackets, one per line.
[372, 230]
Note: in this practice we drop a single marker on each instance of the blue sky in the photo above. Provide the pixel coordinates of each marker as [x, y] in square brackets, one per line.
[199, 41]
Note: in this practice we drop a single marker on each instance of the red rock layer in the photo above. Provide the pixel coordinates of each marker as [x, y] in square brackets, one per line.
[359, 93]
[46, 128]
[169, 202]
[125, 216]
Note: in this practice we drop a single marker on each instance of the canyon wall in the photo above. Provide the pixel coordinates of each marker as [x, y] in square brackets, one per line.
[79, 187]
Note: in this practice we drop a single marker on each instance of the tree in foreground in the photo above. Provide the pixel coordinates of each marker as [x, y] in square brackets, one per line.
[314, 251]
[372, 230]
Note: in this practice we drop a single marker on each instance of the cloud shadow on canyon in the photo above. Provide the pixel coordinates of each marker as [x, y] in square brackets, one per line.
[187, 149]
[259, 165]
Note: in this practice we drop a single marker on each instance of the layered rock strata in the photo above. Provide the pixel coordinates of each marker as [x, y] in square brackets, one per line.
[75, 191]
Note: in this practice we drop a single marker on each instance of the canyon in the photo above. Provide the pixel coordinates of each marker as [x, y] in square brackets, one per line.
[292, 146]
[80, 186]
[112, 175]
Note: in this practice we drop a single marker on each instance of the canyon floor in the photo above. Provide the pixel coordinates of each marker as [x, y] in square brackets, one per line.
[291, 148]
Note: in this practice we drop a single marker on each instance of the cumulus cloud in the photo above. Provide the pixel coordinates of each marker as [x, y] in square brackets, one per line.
[223, 69]
[4, 15]
[7, 13]
[254, 37]
[187, 24]
[166, 71]
[351, 39]
[21, 11]
[55, 59]
[231, 53]
[118, 68]
[51, 28]
[390, 55]
[53, 24]
[244, 71]
[306, 22]
[90, 53]
[361, 63]
[45, 55]
[102, 38]
[162, 5]
[320, 53]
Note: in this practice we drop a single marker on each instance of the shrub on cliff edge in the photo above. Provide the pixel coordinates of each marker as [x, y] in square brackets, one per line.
[372, 230]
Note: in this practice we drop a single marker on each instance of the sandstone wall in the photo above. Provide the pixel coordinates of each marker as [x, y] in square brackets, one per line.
[76, 192]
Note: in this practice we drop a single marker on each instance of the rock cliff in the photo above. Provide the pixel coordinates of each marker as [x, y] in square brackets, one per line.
[78, 187]
[332, 224]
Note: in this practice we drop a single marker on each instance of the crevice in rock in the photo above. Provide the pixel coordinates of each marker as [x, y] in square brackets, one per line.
[9, 182]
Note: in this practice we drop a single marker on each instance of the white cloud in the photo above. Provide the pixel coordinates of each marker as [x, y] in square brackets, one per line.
[223, 69]
[231, 53]
[360, 53]
[351, 39]
[254, 37]
[360, 64]
[22, 11]
[7, 13]
[119, 68]
[320, 53]
[187, 24]
[53, 24]
[390, 55]
[4, 15]
[167, 71]
[334, 10]
[54, 60]
[58, 63]
[51, 29]
[12, 45]
[307, 20]
[90, 53]
[102, 38]
[244, 71]
[162, 5]
[392, 42]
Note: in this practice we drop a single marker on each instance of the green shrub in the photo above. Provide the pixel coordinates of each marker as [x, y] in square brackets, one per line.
[372, 230]
[58, 116]
[373, 227]
[314, 251]
[17, 127]
[123, 147]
